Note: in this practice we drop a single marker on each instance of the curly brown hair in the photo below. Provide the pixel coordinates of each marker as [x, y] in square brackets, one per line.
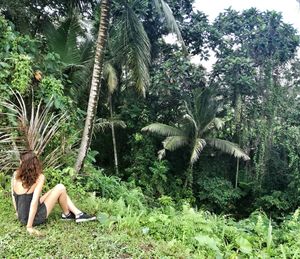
[29, 169]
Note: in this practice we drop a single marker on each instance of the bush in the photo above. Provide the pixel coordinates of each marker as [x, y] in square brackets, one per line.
[112, 187]
[4, 181]
[67, 177]
[276, 204]
[218, 195]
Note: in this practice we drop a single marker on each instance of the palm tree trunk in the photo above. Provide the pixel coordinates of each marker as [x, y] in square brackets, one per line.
[114, 138]
[238, 116]
[189, 178]
[237, 172]
[95, 85]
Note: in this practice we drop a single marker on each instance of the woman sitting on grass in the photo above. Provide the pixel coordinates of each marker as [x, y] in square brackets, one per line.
[33, 209]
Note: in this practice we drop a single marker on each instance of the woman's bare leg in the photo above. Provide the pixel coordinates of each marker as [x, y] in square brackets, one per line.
[72, 206]
[43, 197]
[59, 194]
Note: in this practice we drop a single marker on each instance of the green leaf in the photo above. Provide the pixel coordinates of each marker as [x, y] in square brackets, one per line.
[145, 230]
[207, 241]
[4, 65]
[131, 47]
[244, 245]
[103, 218]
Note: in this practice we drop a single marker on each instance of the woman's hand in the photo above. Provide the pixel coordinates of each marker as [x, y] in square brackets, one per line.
[34, 232]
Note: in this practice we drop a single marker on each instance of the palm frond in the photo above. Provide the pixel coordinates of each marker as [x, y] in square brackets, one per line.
[132, 47]
[9, 155]
[215, 122]
[81, 78]
[163, 129]
[204, 109]
[228, 147]
[166, 13]
[161, 154]
[110, 75]
[52, 159]
[63, 39]
[102, 124]
[219, 123]
[191, 127]
[197, 149]
[175, 142]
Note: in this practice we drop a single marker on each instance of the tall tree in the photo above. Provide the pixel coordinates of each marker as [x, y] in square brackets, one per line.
[29, 17]
[111, 79]
[132, 49]
[96, 83]
[251, 48]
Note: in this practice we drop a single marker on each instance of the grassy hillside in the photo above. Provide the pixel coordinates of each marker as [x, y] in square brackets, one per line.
[126, 232]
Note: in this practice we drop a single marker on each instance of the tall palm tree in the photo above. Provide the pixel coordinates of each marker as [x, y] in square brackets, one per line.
[195, 130]
[110, 76]
[96, 83]
[131, 47]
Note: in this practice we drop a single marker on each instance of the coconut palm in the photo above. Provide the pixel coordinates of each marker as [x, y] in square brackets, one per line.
[95, 84]
[110, 76]
[195, 131]
[132, 47]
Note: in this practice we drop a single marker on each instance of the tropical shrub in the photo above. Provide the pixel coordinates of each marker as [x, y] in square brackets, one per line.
[217, 194]
[67, 177]
[113, 188]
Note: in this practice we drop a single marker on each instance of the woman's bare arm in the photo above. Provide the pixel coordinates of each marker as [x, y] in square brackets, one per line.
[12, 191]
[35, 200]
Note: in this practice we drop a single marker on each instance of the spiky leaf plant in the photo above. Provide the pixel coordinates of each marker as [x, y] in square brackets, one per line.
[28, 130]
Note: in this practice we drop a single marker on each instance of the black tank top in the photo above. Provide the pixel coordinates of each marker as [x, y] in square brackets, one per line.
[23, 202]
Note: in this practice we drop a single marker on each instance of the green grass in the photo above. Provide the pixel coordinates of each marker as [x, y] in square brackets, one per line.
[126, 232]
[71, 240]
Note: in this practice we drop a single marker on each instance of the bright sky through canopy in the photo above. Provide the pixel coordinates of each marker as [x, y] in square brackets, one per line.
[290, 10]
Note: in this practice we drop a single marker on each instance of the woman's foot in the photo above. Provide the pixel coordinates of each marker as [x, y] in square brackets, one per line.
[83, 217]
[69, 216]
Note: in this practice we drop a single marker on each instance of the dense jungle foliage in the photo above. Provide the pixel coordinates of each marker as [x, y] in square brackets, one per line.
[128, 228]
[174, 144]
